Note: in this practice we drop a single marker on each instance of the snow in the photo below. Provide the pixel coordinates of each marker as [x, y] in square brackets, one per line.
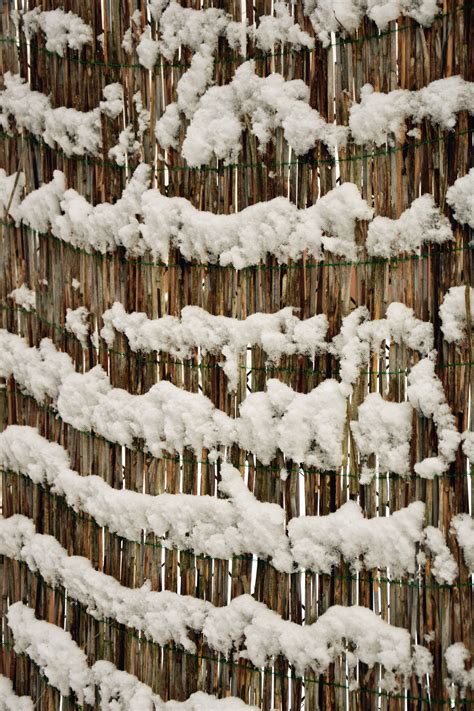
[120, 691]
[328, 16]
[168, 418]
[468, 444]
[359, 337]
[171, 419]
[145, 221]
[62, 29]
[184, 26]
[195, 81]
[281, 333]
[75, 132]
[425, 392]
[380, 118]
[101, 226]
[384, 429]
[444, 567]
[279, 29]
[156, 8]
[44, 643]
[217, 527]
[421, 223]
[40, 208]
[216, 126]
[112, 106]
[78, 324]
[9, 701]
[147, 50]
[318, 542]
[166, 616]
[24, 297]
[453, 312]
[39, 370]
[462, 525]
[456, 657]
[127, 145]
[461, 198]
[245, 238]
[238, 524]
[60, 659]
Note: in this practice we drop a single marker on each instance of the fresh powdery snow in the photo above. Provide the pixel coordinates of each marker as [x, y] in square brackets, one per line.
[453, 311]
[278, 334]
[264, 104]
[270, 102]
[9, 701]
[65, 666]
[456, 657]
[335, 16]
[359, 338]
[75, 132]
[425, 392]
[462, 526]
[78, 324]
[144, 221]
[461, 198]
[62, 29]
[166, 616]
[23, 297]
[384, 429]
[238, 524]
[380, 117]
[422, 223]
[180, 26]
[168, 418]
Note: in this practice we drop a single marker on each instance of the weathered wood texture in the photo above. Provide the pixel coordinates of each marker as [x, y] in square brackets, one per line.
[408, 56]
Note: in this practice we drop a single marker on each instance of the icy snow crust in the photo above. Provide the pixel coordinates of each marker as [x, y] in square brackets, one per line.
[65, 665]
[144, 221]
[239, 524]
[244, 623]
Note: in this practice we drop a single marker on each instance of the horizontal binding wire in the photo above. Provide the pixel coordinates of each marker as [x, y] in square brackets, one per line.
[88, 518]
[236, 58]
[140, 358]
[220, 659]
[139, 262]
[301, 471]
[309, 161]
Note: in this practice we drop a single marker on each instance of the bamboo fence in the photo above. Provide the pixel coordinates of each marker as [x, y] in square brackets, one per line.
[407, 56]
